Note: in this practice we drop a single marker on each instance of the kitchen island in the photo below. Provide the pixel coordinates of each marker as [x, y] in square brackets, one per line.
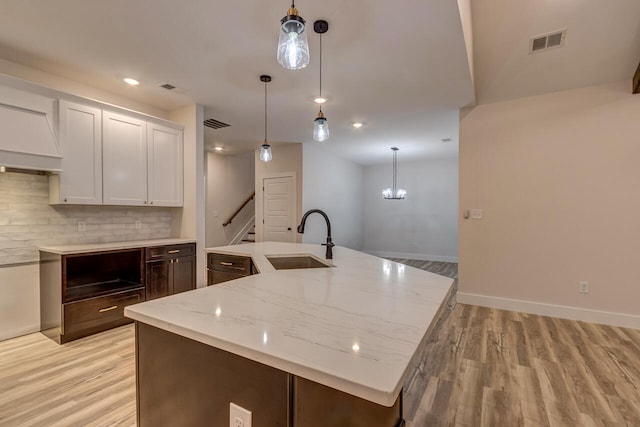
[296, 347]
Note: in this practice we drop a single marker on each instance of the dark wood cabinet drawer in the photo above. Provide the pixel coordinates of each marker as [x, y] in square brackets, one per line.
[170, 251]
[215, 277]
[230, 263]
[97, 314]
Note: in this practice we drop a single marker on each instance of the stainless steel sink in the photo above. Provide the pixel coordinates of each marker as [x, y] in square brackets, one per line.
[290, 262]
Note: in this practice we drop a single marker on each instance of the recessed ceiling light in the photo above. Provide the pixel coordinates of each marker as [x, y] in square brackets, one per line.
[320, 100]
[130, 81]
[357, 125]
[217, 148]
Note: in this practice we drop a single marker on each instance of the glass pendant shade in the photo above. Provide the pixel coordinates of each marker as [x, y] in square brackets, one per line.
[320, 128]
[293, 46]
[391, 194]
[265, 152]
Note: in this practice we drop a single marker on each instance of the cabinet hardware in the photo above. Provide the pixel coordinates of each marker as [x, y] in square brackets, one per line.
[177, 260]
[175, 251]
[226, 263]
[102, 310]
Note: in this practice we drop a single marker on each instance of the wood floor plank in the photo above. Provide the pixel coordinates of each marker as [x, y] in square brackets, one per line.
[478, 367]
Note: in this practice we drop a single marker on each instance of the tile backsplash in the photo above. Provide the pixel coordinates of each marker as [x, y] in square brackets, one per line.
[28, 221]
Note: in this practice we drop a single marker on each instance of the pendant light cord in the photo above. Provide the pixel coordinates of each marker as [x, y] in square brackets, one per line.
[320, 69]
[395, 170]
[265, 111]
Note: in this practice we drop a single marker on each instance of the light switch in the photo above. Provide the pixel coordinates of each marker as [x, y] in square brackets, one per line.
[476, 213]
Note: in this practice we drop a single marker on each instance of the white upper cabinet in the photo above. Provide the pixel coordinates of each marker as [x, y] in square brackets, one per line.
[124, 160]
[80, 181]
[165, 171]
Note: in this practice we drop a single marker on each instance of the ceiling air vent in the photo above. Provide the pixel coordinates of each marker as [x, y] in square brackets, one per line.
[168, 86]
[215, 124]
[547, 41]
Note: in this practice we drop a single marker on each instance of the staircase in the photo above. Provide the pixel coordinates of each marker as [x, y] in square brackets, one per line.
[250, 236]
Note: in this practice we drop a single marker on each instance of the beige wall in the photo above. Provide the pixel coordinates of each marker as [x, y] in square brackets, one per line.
[189, 221]
[230, 180]
[558, 178]
[286, 158]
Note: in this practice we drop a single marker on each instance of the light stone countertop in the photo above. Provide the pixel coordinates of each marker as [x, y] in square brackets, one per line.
[114, 246]
[354, 327]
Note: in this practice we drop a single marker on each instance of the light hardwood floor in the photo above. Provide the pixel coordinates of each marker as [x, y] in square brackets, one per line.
[88, 382]
[479, 367]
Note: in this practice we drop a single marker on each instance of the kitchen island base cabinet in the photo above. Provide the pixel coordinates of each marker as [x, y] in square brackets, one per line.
[209, 379]
[223, 267]
[181, 382]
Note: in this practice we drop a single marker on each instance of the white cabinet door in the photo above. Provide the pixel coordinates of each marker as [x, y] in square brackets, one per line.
[80, 181]
[165, 176]
[124, 160]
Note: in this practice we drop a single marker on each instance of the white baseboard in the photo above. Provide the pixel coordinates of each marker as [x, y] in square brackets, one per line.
[420, 257]
[552, 310]
[17, 332]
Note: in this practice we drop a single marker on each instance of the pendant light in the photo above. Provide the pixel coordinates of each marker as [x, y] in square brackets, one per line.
[265, 149]
[293, 46]
[320, 124]
[394, 193]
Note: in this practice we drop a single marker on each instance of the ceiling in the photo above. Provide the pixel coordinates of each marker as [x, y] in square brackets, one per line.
[399, 67]
[602, 45]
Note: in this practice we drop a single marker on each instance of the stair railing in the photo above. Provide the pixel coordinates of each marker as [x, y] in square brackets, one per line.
[246, 202]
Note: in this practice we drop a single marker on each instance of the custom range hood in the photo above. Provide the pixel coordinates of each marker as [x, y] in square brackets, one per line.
[28, 129]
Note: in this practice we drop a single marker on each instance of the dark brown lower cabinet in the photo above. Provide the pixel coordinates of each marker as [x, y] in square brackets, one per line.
[85, 293]
[170, 270]
[182, 382]
[223, 267]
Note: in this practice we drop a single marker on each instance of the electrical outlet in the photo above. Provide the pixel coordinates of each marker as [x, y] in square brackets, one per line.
[476, 213]
[138, 225]
[238, 416]
[82, 226]
[583, 287]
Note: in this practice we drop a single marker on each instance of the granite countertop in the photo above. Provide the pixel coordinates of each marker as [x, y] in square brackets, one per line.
[114, 246]
[354, 326]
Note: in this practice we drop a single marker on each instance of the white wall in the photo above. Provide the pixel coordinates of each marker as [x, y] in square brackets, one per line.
[422, 226]
[335, 186]
[557, 177]
[230, 180]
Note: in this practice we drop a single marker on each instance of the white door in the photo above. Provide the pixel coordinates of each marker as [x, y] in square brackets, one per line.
[278, 210]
